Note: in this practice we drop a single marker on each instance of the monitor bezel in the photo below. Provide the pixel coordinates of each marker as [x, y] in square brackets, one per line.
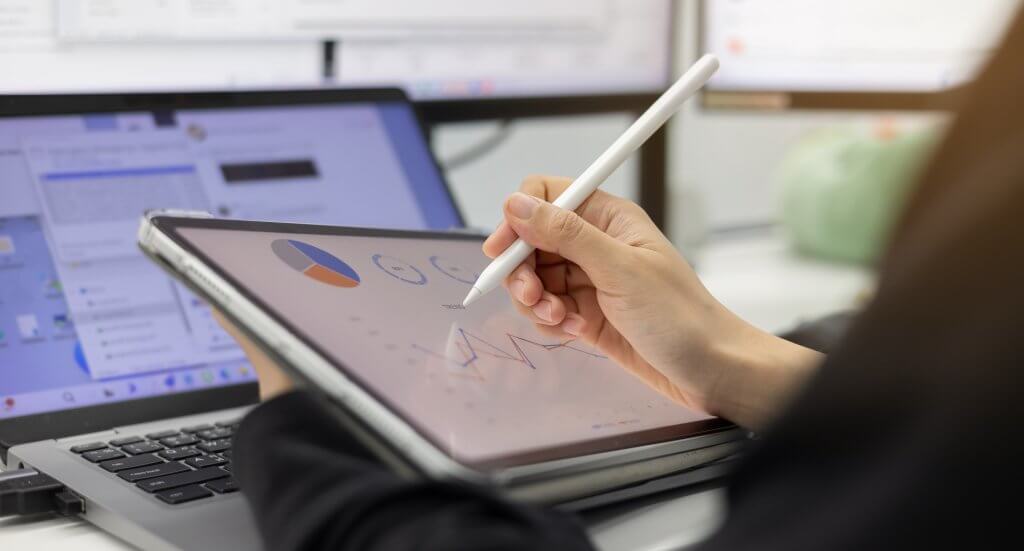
[69, 422]
[468, 109]
[781, 99]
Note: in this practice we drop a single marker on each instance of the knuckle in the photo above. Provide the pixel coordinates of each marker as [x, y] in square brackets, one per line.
[535, 185]
[531, 181]
[566, 224]
[628, 208]
[544, 186]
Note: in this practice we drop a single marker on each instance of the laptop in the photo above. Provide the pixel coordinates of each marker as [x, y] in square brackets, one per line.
[114, 379]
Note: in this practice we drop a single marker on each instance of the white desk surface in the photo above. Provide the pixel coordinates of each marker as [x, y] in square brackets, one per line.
[756, 276]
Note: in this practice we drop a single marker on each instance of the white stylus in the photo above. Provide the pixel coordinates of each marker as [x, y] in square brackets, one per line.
[595, 175]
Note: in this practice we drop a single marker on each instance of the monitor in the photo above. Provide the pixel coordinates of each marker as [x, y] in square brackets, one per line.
[437, 50]
[869, 46]
[33, 59]
[85, 319]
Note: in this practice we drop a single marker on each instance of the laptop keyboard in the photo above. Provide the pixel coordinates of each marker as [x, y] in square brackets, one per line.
[175, 466]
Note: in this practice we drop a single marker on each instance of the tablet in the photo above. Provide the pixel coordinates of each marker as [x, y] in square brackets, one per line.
[372, 319]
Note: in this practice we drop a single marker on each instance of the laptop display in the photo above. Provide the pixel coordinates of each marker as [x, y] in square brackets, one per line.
[85, 319]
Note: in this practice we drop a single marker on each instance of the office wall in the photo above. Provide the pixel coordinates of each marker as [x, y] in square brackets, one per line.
[721, 162]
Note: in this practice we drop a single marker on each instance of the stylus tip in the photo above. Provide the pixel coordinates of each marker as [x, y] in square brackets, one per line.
[474, 294]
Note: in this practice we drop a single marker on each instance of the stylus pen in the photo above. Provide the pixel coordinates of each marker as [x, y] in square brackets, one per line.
[595, 175]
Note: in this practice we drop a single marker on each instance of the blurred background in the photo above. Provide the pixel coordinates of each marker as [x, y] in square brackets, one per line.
[780, 183]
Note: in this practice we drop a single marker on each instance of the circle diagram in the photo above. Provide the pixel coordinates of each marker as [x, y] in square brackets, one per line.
[400, 269]
[454, 270]
[315, 263]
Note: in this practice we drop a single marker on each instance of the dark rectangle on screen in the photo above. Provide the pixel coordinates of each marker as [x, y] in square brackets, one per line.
[243, 173]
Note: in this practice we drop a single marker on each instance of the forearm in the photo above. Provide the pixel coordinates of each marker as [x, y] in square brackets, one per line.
[757, 375]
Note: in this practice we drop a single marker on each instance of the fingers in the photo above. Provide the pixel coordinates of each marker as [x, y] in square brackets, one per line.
[547, 188]
[549, 309]
[500, 240]
[524, 285]
[599, 209]
[555, 316]
[544, 187]
[560, 231]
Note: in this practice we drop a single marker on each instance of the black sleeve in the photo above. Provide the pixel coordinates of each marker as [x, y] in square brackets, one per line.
[312, 486]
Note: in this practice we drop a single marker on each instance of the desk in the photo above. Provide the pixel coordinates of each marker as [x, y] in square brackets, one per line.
[754, 275]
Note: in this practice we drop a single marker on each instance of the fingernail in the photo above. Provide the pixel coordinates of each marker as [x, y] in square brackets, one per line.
[543, 310]
[573, 324]
[522, 206]
[518, 288]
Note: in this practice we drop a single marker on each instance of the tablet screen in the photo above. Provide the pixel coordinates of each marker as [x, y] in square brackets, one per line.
[481, 383]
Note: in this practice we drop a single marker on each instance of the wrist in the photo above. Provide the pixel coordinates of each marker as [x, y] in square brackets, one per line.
[755, 375]
[273, 383]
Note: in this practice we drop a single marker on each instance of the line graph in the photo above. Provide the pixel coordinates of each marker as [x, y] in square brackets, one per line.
[470, 349]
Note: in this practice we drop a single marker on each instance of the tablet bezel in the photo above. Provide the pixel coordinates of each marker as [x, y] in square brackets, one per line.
[169, 226]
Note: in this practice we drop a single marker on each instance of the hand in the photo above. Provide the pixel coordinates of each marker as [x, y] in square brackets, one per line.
[606, 275]
[273, 381]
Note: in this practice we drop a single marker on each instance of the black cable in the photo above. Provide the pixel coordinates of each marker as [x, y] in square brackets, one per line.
[481, 148]
[29, 492]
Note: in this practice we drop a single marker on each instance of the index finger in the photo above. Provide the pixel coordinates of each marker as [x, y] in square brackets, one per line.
[542, 187]
[596, 209]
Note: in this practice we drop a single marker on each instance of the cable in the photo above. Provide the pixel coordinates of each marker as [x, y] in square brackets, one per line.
[481, 148]
[29, 492]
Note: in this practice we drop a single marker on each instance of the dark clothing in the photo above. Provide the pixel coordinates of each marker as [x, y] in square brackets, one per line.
[908, 437]
[313, 486]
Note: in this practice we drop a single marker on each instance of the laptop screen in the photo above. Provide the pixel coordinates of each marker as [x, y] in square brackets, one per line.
[85, 319]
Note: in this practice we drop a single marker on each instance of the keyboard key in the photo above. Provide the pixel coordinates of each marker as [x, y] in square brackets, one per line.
[134, 462]
[181, 479]
[206, 461]
[226, 454]
[102, 455]
[182, 495]
[126, 440]
[179, 441]
[214, 446]
[196, 428]
[92, 446]
[228, 467]
[154, 471]
[230, 424]
[223, 486]
[216, 434]
[161, 434]
[179, 453]
[142, 447]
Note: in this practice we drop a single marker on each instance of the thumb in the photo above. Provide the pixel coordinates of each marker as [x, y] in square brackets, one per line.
[557, 230]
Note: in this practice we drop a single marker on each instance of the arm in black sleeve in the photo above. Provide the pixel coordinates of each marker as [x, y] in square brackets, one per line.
[311, 485]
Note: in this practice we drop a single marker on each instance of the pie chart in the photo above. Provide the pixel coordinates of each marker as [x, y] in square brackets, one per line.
[315, 263]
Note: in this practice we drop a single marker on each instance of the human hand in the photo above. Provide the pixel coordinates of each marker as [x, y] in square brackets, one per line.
[610, 278]
[273, 381]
